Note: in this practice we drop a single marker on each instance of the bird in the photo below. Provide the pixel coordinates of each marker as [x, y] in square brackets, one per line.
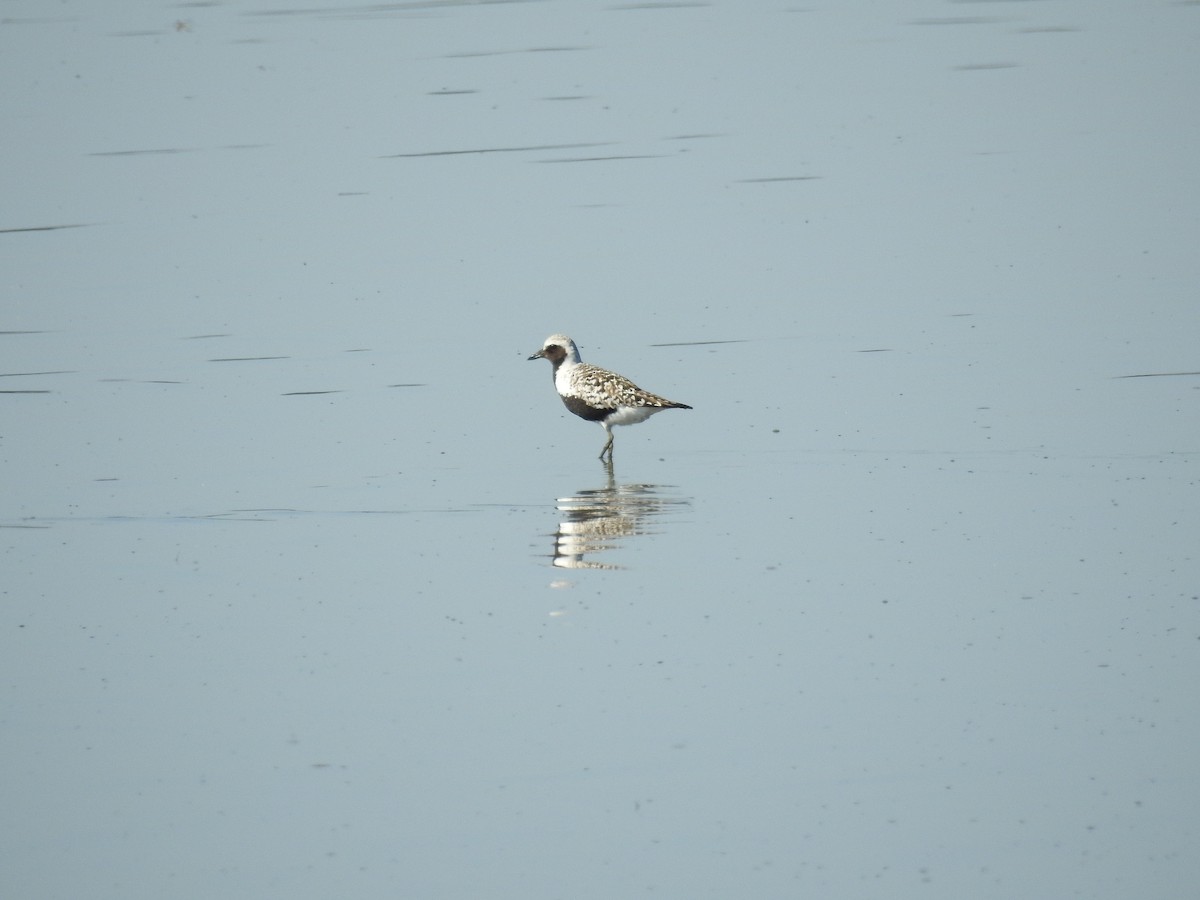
[597, 394]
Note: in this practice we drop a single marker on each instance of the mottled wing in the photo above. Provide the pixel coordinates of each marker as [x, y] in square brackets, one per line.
[601, 388]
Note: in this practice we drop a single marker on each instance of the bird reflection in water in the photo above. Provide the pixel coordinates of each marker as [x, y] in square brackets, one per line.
[598, 520]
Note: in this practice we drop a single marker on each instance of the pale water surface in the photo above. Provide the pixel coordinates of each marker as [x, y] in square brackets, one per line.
[311, 588]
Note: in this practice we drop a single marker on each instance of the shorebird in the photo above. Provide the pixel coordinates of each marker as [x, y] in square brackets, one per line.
[597, 394]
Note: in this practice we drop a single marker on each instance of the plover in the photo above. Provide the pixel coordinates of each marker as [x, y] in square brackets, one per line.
[596, 394]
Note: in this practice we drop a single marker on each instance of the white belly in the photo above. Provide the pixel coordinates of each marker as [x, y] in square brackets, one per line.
[631, 415]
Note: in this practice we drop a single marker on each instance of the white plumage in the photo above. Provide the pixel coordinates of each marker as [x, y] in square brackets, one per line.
[597, 394]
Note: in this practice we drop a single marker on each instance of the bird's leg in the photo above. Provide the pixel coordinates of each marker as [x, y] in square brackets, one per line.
[608, 446]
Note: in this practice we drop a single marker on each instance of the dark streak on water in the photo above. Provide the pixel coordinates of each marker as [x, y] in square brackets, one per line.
[160, 151]
[39, 228]
[700, 343]
[495, 150]
[479, 53]
[577, 159]
[26, 374]
[247, 358]
[1157, 375]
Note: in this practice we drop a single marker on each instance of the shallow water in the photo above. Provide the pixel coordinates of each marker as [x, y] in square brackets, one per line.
[312, 587]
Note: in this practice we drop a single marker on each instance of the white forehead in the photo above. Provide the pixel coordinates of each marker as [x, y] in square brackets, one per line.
[561, 340]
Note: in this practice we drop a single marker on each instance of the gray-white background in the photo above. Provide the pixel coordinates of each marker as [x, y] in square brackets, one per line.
[907, 606]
